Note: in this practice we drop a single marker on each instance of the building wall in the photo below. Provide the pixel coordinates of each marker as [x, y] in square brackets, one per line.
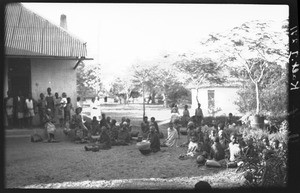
[59, 75]
[224, 99]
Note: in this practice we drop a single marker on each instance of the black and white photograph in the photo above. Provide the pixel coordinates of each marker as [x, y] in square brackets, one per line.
[147, 95]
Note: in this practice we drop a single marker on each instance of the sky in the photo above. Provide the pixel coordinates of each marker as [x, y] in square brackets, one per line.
[118, 35]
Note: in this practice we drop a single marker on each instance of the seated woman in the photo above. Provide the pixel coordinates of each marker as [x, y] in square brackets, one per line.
[77, 124]
[49, 126]
[154, 140]
[123, 137]
[172, 138]
[102, 143]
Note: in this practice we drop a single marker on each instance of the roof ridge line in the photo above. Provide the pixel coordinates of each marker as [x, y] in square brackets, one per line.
[51, 23]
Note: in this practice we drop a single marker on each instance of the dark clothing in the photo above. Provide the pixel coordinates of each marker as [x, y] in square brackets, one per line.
[217, 152]
[155, 125]
[50, 103]
[154, 142]
[124, 136]
[105, 140]
[103, 122]
[95, 128]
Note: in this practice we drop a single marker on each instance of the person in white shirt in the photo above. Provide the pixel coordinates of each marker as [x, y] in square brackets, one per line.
[30, 113]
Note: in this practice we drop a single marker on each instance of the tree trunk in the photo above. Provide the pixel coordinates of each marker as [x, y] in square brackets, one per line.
[257, 97]
[165, 101]
[153, 97]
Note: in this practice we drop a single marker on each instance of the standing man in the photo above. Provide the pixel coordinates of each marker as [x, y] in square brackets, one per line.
[50, 101]
[198, 115]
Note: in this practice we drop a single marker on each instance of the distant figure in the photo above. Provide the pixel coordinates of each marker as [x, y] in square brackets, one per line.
[198, 115]
[185, 116]
[95, 112]
[229, 120]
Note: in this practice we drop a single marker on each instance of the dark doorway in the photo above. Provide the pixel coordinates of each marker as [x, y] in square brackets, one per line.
[19, 76]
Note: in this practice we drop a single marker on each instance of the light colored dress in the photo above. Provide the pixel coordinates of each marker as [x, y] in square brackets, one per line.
[172, 138]
[234, 150]
[29, 105]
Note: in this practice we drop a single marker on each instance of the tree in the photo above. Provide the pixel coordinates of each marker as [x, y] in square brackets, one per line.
[256, 45]
[273, 92]
[122, 88]
[198, 71]
[88, 79]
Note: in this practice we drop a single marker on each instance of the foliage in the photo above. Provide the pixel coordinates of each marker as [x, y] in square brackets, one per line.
[123, 88]
[273, 95]
[88, 79]
[257, 46]
[268, 167]
[159, 79]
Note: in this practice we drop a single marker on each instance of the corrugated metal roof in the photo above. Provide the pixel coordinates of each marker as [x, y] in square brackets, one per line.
[29, 34]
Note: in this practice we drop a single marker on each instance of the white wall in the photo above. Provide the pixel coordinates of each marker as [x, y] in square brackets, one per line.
[59, 75]
[224, 99]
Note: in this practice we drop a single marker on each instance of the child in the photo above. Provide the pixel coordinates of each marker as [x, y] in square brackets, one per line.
[217, 153]
[30, 112]
[95, 127]
[9, 105]
[42, 103]
[20, 108]
[49, 126]
[193, 148]
[68, 109]
[234, 149]
[154, 140]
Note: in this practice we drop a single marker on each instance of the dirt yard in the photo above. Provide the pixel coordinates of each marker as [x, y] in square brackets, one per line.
[55, 164]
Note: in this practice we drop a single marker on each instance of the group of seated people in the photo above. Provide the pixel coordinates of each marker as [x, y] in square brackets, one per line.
[217, 147]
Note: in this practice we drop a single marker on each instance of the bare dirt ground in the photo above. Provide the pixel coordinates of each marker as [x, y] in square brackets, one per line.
[68, 165]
